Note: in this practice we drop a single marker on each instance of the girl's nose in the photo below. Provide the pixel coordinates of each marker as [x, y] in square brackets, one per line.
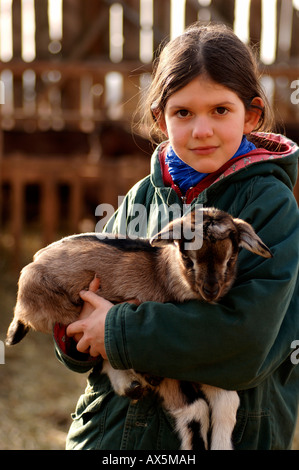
[202, 128]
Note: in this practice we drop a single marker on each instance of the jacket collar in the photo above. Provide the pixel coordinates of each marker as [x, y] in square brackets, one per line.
[269, 147]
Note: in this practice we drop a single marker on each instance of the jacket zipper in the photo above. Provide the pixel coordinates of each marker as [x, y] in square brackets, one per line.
[179, 192]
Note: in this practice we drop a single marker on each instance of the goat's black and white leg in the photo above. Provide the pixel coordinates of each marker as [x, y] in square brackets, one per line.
[205, 416]
[125, 382]
[223, 405]
[188, 406]
[193, 424]
[130, 383]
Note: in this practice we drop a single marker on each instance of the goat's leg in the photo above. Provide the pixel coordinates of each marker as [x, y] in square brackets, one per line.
[192, 425]
[190, 410]
[126, 382]
[224, 405]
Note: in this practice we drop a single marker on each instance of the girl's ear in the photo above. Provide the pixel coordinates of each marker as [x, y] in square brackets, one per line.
[160, 119]
[253, 115]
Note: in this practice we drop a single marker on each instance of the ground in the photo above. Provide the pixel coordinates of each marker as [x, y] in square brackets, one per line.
[37, 393]
[37, 396]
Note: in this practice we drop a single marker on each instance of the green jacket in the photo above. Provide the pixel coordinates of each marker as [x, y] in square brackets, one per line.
[242, 343]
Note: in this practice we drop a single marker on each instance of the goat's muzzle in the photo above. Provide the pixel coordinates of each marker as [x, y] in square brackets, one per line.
[210, 292]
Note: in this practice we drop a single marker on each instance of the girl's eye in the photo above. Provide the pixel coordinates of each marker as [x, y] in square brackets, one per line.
[182, 113]
[221, 110]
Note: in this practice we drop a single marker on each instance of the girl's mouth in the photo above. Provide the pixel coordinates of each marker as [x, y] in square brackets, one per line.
[204, 150]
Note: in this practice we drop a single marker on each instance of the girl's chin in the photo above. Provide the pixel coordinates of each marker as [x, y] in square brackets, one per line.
[206, 168]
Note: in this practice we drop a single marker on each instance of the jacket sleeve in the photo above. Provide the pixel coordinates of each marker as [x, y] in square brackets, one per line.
[236, 343]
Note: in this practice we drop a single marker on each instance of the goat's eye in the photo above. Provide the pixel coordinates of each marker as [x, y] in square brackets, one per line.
[189, 263]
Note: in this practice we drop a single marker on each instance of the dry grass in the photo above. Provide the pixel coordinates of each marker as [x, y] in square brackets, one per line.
[37, 396]
[37, 393]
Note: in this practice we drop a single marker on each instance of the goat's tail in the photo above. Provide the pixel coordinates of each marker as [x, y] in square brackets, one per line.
[16, 332]
[20, 325]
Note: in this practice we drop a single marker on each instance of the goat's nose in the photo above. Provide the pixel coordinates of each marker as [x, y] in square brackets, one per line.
[210, 290]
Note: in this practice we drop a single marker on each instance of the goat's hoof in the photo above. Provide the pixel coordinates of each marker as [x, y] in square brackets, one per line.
[135, 391]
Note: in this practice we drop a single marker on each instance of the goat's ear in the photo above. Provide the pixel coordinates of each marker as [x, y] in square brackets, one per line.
[16, 332]
[172, 233]
[250, 240]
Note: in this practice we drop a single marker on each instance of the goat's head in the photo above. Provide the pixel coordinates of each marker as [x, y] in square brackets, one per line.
[208, 241]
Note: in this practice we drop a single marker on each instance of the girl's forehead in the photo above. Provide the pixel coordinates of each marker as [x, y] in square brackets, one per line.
[205, 91]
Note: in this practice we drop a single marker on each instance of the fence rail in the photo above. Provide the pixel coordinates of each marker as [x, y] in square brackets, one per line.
[88, 60]
[75, 65]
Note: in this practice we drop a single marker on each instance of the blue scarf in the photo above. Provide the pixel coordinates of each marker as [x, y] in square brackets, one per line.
[185, 176]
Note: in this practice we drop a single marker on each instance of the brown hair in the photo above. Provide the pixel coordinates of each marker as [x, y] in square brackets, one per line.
[215, 51]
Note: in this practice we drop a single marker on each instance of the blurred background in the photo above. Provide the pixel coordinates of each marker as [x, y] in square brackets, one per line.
[71, 75]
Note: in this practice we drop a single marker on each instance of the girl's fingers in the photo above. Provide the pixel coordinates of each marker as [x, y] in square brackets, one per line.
[83, 345]
[74, 328]
[95, 284]
[93, 299]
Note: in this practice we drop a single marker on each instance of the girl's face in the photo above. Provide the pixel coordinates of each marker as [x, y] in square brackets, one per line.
[205, 123]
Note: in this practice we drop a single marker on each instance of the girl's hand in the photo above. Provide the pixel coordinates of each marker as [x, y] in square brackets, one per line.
[92, 308]
[87, 308]
[89, 330]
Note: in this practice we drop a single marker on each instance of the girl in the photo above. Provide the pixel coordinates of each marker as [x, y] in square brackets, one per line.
[206, 103]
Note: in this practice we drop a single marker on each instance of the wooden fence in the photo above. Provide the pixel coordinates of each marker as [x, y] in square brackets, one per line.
[86, 67]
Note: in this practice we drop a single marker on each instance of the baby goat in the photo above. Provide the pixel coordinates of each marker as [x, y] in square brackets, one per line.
[167, 268]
